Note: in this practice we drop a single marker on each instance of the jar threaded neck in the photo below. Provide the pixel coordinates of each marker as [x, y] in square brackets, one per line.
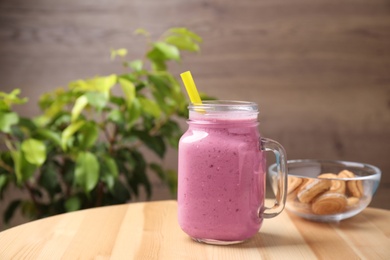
[223, 109]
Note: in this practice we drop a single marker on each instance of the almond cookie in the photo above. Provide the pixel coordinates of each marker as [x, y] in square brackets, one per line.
[329, 203]
[346, 174]
[293, 186]
[355, 188]
[304, 208]
[352, 201]
[337, 186]
[293, 183]
[312, 188]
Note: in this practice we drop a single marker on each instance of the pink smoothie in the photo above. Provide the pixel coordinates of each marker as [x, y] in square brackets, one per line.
[221, 180]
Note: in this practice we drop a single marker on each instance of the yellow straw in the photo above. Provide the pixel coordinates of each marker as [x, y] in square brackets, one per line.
[190, 87]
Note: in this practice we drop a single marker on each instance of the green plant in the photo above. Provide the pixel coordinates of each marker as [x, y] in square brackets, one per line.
[84, 149]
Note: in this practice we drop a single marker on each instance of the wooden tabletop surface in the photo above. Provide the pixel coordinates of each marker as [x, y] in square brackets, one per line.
[150, 231]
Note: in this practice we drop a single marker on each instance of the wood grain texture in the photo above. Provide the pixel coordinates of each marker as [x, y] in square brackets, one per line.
[150, 231]
[319, 70]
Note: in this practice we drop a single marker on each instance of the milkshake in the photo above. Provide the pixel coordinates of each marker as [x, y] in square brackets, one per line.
[221, 179]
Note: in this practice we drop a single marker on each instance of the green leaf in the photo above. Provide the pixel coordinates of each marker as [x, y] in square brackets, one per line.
[109, 180]
[161, 83]
[150, 107]
[109, 171]
[139, 175]
[49, 135]
[55, 108]
[158, 65]
[116, 116]
[187, 33]
[8, 119]
[166, 104]
[155, 143]
[103, 84]
[27, 125]
[19, 133]
[121, 52]
[172, 180]
[34, 151]
[119, 101]
[170, 52]
[78, 107]
[17, 158]
[140, 86]
[7, 100]
[110, 166]
[69, 132]
[45, 100]
[23, 169]
[97, 100]
[88, 135]
[158, 170]
[87, 171]
[29, 209]
[59, 122]
[68, 170]
[124, 160]
[141, 31]
[100, 84]
[128, 89]
[10, 211]
[130, 77]
[120, 192]
[3, 182]
[172, 132]
[136, 65]
[49, 179]
[80, 85]
[162, 92]
[134, 112]
[156, 55]
[182, 43]
[118, 52]
[72, 204]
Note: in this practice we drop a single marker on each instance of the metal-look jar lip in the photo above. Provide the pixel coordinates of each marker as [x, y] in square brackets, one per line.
[210, 106]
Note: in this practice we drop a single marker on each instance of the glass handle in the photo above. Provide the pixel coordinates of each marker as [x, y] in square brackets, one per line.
[267, 144]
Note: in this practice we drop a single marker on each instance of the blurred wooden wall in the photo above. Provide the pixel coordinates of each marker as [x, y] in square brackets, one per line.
[319, 70]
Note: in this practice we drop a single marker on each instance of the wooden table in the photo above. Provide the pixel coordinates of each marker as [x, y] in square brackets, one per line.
[150, 231]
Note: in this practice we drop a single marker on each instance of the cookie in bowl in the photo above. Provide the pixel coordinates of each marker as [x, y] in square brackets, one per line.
[323, 190]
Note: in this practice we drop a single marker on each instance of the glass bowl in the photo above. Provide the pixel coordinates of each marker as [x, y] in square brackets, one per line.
[325, 190]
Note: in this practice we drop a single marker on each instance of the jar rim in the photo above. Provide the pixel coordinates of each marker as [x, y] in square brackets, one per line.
[224, 105]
